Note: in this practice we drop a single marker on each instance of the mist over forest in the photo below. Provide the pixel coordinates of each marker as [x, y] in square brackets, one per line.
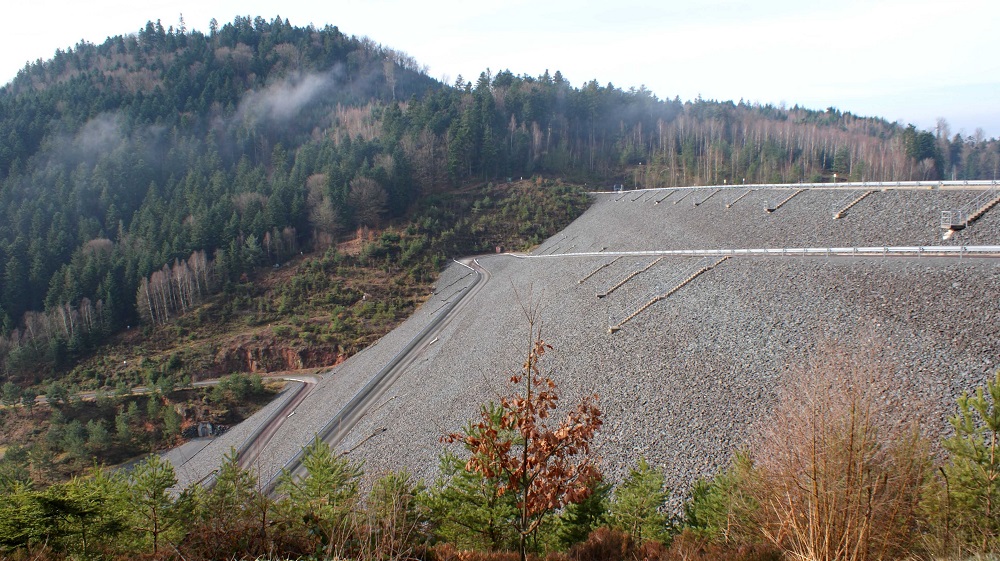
[261, 138]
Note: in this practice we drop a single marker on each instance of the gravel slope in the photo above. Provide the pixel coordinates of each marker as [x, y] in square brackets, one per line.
[687, 381]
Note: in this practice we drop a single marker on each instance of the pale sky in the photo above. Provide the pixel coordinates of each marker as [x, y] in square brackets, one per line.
[905, 60]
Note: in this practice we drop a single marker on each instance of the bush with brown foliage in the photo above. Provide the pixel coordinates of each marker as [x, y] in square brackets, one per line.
[34, 553]
[605, 544]
[688, 546]
[448, 552]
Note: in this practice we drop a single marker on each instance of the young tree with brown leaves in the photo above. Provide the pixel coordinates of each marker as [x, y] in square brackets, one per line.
[545, 467]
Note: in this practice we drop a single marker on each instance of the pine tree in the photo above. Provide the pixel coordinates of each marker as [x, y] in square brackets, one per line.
[468, 509]
[10, 394]
[325, 498]
[639, 502]
[973, 468]
[720, 508]
[578, 520]
[28, 397]
[235, 515]
[155, 511]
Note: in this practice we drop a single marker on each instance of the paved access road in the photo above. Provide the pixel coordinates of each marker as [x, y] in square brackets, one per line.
[249, 453]
[362, 402]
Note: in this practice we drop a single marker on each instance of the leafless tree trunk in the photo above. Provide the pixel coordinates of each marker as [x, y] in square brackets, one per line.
[840, 470]
[368, 199]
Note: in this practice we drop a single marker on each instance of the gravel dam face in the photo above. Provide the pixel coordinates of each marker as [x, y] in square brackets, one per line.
[692, 377]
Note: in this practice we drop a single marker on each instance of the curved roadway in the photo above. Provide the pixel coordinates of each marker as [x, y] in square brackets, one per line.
[251, 449]
[361, 403]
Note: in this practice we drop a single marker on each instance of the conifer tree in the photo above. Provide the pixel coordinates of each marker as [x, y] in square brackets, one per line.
[578, 520]
[325, 498]
[155, 511]
[467, 507]
[639, 502]
[235, 515]
[10, 394]
[973, 468]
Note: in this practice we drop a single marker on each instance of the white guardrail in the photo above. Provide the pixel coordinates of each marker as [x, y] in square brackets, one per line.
[972, 183]
[873, 251]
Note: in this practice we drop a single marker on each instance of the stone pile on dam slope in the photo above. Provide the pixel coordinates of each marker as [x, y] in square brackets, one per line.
[693, 377]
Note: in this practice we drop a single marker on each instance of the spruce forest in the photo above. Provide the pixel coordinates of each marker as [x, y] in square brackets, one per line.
[178, 206]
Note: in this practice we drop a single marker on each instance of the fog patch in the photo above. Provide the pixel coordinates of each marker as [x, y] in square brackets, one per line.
[99, 135]
[284, 100]
[106, 135]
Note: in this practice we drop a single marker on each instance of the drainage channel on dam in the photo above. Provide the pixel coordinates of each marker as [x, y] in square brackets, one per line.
[357, 407]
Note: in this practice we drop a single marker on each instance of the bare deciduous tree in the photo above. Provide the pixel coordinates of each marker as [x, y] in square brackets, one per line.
[839, 474]
[368, 199]
[322, 216]
[174, 289]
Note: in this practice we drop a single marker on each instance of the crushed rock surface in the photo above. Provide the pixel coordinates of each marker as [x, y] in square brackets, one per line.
[694, 377]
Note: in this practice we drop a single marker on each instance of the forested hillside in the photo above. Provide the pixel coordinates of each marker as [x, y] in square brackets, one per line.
[142, 173]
